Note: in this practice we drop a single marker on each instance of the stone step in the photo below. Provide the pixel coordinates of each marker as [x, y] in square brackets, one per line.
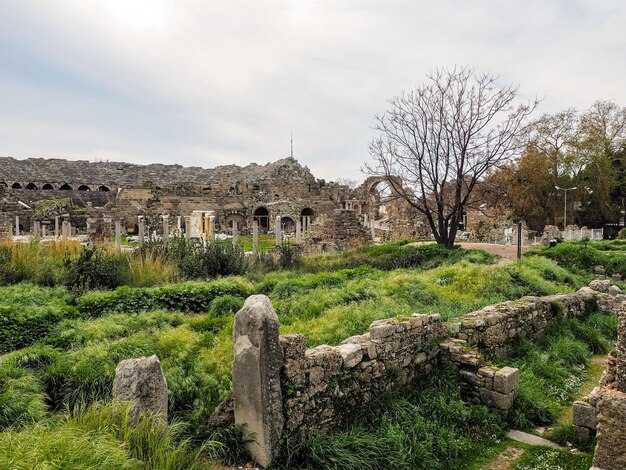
[531, 439]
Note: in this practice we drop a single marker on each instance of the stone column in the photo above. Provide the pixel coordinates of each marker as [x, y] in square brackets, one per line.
[118, 233]
[207, 226]
[298, 231]
[17, 225]
[257, 363]
[277, 229]
[187, 227]
[65, 230]
[179, 225]
[141, 228]
[142, 383]
[212, 227]
[255, 237]
[235, 233]
[166, 227]
[43, 231]
[56, 227]
[36, 228]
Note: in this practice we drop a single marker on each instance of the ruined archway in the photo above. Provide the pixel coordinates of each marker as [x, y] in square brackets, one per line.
[287, 224]
[104, 189]
[84, 187]
[240, 219]
[31, 186]
[65, 187]
[262, 216]
[47, 187]
[306, 217]
[3, 184]
[16, 186]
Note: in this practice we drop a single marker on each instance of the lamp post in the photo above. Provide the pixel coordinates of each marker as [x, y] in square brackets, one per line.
[565, 190]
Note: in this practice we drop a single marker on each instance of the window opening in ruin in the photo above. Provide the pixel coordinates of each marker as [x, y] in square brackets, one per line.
[16, 186]
[66, 187]
[103, 189]
[306, 217]
[232, 191]
[84, 187]
[256, 187]
[262, 216]
[3, 184]
[31, 186]
[276, 196]
[48, 187]
[379, 198]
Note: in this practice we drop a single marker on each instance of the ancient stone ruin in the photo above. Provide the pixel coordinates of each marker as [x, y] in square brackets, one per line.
[280, 196]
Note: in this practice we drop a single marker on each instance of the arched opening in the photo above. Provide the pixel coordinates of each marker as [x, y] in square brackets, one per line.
[380, 195]
[262, 216]
[65, 187]
[84, 187]
[31, 186]
[306, 217]
[232, 191]
[103, 189]
[47, 187]
[16, 186]
[3, 184]
[287, 224]
[230, 219]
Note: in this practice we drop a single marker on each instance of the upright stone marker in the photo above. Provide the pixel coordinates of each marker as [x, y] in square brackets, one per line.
[256, 378]
[36, 228]
[277, 229]
[187, 227]
[17, 225]
[43, 231]
[166, 227]
[255, 237]
[56, 227]
[235, 233]
[141, 382]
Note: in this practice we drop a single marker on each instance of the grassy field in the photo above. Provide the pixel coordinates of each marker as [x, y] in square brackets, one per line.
[59, 347]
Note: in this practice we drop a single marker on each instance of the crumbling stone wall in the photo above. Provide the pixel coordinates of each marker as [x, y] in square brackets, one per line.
[496, 328]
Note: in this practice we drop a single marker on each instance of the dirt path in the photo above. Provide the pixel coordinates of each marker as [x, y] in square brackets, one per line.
[505, 459]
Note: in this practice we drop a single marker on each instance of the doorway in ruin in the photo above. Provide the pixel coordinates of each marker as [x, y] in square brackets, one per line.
[287, 224]
[379, 198]
[306, 217]
[262, 216]
[241, 222]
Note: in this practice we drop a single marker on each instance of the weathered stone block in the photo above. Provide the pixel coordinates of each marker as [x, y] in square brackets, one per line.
[494, 399]
[256, 378]
[293, 346]
[600, 285]
[382, 329]
[351, 354]
[614, 291]
[584, 415]
[611, 432]
[506, 380]
[142, 383]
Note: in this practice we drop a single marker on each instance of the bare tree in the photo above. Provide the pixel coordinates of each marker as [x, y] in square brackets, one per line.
[442, 137]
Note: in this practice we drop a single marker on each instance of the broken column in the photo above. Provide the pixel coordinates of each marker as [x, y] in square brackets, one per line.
[166, 227]
[257, 363]
[235, 234]
[212, 227]
[56, 227]
[255, 237]
[298, 232]
[278, 231]
[118, 233]
[141, 229]
[187, 227]
[142, 383]
[17, 225]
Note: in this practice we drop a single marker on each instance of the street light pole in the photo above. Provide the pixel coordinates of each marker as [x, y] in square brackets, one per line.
[565, 190]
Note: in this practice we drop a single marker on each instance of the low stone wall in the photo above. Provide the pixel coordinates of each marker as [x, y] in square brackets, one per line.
[323, 386]
[496, 329]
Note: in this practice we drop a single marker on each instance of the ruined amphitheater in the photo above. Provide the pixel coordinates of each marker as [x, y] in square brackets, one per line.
[37, 192]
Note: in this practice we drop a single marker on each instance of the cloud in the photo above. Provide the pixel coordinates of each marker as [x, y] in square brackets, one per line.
[207, 83]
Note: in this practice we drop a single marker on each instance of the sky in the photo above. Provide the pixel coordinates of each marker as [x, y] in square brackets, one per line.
[207, 83]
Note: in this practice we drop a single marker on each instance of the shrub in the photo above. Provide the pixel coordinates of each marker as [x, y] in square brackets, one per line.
[622, 234]
[96, 269]
[192, 297]
[21, 397]
[225, 305]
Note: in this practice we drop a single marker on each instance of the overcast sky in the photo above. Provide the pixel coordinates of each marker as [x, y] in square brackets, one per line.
[202, 82]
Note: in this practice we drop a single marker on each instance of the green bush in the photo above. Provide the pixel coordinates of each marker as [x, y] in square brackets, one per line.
[192, 297]
[21, 397]
[225, 305]
[94, 268]
[622, 234]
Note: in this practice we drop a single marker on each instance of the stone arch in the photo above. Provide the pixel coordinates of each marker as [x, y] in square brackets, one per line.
[16, 185]
[65, 187]
[241, 221]
[262, 216]
[84, 187]
[3, 184]
[104, 189]
[287, 224]
[47, 187]
[31, 186]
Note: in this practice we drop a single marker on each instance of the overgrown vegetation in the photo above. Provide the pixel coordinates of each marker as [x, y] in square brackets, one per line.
[61, 347]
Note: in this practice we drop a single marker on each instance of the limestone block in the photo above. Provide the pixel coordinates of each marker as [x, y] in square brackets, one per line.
[614, 291]
[494, 399]
[581, 435]
[486, 371]
[611, 432]
[600, 285]
[293, 346]
[351, 354]
[420, 358]
[257, 392]
[506, 380]
[141, 382]
[382, 329]
[584, 415]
